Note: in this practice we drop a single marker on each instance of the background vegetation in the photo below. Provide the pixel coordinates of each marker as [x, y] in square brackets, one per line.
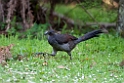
[99, 60]
[78, 15]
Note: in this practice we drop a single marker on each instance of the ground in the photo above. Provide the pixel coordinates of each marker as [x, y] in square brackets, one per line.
[96, 61]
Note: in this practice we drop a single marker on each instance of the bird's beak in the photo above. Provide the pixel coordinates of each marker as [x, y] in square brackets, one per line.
[46, 33]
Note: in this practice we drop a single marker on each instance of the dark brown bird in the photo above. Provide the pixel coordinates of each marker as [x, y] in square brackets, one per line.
[66, 42]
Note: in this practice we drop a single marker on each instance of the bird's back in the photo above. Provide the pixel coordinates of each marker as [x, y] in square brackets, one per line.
[62, 42]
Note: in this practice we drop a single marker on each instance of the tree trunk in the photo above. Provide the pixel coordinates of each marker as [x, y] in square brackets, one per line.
[120, 22]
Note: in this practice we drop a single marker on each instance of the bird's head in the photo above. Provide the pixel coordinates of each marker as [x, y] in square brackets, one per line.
[50, 32]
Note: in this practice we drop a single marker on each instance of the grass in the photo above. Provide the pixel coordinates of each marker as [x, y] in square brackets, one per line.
[94, 61]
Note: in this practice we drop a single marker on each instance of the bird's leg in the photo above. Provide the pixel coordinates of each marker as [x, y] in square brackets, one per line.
[69, 53]
[54, 52]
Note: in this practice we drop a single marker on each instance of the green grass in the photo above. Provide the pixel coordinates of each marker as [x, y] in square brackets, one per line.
[78, 14]
[94, 61]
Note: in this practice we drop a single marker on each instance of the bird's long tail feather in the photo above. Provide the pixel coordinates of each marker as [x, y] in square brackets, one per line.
[89, 35]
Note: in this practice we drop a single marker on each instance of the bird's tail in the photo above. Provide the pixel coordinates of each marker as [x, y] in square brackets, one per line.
[89, 35]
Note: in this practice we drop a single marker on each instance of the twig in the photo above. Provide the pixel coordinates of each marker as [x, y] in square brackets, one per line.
[88, 13]
[42, 53]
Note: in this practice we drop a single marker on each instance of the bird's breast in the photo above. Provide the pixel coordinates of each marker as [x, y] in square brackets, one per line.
[60, 47]
[64, 47]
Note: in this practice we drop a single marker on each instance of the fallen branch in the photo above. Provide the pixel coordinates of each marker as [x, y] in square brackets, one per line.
[107, 25]
[72, 23]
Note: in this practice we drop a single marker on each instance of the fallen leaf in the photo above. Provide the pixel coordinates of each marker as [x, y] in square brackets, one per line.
[45, 63]
[93, 64]
[5, 53]
[121, 63]
[61, 67]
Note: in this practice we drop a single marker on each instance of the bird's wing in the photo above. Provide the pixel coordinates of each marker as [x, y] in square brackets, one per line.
[64, 38]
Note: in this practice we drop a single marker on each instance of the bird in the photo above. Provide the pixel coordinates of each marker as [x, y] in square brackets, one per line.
[67, 42]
